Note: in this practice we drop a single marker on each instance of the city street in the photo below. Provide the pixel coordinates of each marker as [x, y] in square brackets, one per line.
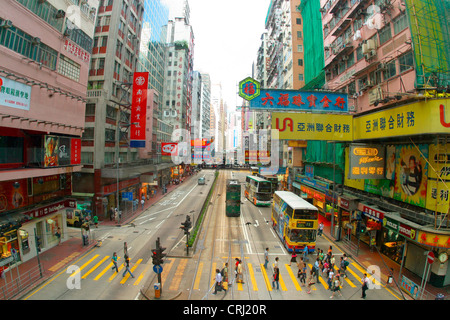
[96, 278]
[221, 240]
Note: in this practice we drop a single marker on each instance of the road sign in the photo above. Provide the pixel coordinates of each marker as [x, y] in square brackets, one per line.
[249, 88]
[158, 269]
[127, 196]
[430, 257]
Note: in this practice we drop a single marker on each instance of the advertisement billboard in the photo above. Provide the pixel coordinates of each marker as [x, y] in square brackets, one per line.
[139, 110]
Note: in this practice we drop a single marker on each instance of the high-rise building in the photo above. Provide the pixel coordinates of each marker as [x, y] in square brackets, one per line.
[45, 49]
[105, 141]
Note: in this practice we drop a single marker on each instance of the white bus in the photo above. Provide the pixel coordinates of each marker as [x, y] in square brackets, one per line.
[258, 190]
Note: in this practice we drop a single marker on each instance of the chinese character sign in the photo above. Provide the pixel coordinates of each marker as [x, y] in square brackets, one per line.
[320, 102]
[14, 94]
[367, 162]
[313, 126]
[138, 110]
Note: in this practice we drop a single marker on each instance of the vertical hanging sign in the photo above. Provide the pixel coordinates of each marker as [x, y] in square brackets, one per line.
[139, 110]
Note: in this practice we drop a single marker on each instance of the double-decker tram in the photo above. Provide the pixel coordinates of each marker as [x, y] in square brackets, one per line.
[254, 171]
[295, 221]
[258, 190]
[233, 198]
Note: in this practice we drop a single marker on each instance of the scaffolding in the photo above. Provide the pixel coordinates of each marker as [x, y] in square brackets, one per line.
[429, 22]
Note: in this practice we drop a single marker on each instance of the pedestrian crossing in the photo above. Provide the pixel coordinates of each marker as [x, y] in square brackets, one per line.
[256, 276]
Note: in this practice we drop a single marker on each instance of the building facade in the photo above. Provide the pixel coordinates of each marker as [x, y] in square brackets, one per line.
[45, 49]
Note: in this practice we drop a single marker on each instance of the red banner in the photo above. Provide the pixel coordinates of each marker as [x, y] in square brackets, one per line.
[139, 110]
[169, 148]
[75, 151]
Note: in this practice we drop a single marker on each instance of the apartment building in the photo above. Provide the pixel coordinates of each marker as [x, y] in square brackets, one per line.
[45, 49]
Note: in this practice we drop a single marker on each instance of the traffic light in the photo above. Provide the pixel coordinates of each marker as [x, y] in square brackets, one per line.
[186, 225]
[155, 257]
[161, 255]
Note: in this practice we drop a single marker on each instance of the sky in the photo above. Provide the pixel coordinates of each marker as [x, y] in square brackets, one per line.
[227, 38]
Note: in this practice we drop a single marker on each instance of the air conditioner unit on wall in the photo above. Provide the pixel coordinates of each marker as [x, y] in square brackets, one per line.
[6, 24]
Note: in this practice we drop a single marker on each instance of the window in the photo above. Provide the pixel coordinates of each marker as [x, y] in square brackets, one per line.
[351, 59]
[390, 70]
[101, 63]
[400, 23]
[385, 34]
[69, 68]
[299, 35]
[90, 109]
[406, 61]
[298, 21]
[11, 149]
[300, 77]
[88, 134]
[110, 135]
[87, 157]
[45, 11]
[300, 62]
[299, 48]
[359, 54]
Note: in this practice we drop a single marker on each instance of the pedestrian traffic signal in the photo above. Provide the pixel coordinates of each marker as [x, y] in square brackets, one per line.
[38, 244]
[155, 257]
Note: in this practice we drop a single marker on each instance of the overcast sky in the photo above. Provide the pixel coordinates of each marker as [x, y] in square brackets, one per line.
[227, 37]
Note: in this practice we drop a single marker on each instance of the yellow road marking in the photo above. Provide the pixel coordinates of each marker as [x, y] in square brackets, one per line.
[252, 277]
[266, 278]
[294, 280]
[178, 275]
[198, 276]
[374, 281]
[132, 269]
[213, 274]
[83, 266]
[64, 261]
[166, 271]
[346, 278]
[141, 276]
[116, 273]
[104, 270]
[94, 267]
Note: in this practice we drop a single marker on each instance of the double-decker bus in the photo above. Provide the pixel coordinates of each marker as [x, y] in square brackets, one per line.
[258, 190]
[254, 171]
[295, 221]
[233, 198]
[273, 179]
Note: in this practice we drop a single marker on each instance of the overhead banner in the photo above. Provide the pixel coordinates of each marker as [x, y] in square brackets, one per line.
[295, 100]
[309, 126]
[424, 117]
[367, 162]
[139, 110]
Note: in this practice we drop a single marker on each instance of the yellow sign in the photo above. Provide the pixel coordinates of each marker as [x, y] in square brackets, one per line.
[427, 116]
[309, 126]
[434, 240]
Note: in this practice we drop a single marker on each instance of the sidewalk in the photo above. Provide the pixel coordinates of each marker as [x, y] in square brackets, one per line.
[366, 258]
[55, 259]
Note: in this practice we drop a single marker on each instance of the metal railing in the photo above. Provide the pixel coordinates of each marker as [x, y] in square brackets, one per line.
[14, 286]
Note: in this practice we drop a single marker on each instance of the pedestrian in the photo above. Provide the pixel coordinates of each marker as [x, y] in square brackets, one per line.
[266, 258]
[95, 219]
[330, 278]
[224, 272]
[310, 281]
[365, 285]
[236, 267]
[276, 263]
[114, 261]
[336, 287]
[276, 278]
[218, 283]
[321, 255]
[305, 253]
[58, 235]
[320, 231]
[293, 257]
[343, 267]
[143, 202]
[116, 215]
[315, 269]
[127, 267]
[240, 276]
[302, 272]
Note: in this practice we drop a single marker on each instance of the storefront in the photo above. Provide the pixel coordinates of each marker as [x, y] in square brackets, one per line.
[12, 238]
[372, 219]
[44, 223]
[347, 206]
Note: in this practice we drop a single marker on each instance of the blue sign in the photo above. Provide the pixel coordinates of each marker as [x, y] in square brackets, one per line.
[128, 196]
[158, 269]
[295, 100]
